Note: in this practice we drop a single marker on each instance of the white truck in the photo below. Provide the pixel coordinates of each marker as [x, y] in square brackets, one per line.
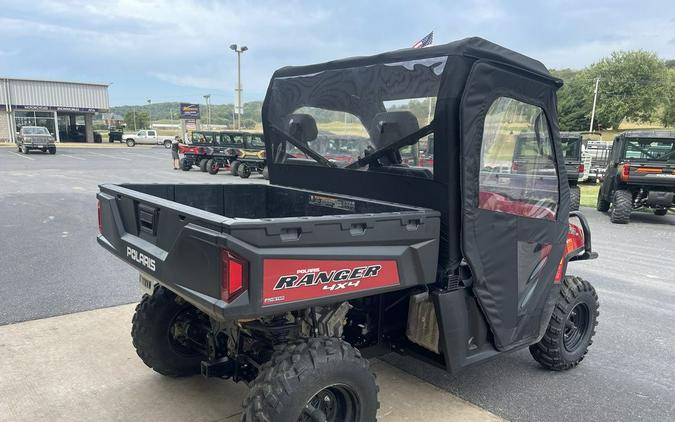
[147, 137]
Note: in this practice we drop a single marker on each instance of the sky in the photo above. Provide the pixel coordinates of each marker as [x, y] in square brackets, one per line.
[166, 50]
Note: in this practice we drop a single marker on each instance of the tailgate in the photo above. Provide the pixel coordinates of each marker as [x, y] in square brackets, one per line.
[285, 263]
[174, 244]
[654, 174]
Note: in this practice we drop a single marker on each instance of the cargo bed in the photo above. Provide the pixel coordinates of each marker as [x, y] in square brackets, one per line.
[178, 235]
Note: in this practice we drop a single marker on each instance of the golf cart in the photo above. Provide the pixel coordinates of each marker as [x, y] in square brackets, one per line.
[291, 286]
[640, 174]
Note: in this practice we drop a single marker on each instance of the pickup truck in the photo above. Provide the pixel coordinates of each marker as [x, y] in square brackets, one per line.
[35, 137]
[291, 286]
[147, 137]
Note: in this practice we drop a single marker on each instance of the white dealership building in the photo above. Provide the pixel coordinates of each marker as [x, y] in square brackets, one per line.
[65, 108]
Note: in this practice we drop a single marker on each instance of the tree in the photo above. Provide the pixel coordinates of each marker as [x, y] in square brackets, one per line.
[667, 115]
[142, 119]
[575, 99]
[632, 87]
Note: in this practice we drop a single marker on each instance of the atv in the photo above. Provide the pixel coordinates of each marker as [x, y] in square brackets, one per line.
[291, 286]
[640, 174]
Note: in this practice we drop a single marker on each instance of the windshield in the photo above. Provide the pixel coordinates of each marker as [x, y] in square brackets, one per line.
[650, 149]
[32, 130]
[257, 141]
[344, 114]
[571, 148]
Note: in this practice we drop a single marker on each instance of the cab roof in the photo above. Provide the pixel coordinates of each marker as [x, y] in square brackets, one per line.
[658, 134]
[474, 47]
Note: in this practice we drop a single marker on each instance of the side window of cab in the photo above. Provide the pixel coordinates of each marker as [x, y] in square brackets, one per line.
[518, 173]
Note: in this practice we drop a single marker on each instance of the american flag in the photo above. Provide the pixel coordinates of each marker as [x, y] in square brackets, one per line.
[428, 40]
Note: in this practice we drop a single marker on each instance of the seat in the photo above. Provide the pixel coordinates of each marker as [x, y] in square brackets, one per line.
[390, 127]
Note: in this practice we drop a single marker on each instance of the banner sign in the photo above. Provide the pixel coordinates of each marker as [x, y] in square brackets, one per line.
[191, 124]
[189, 111]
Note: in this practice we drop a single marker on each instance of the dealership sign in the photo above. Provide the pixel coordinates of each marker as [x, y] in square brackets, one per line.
[47, 108]
[189, 111]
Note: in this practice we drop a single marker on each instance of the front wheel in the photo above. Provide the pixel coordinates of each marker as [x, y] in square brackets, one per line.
[52, 150]
[244, 171]
[185, 164]
[165, 329]
[212, 166]
[601, 205]
[266, 173]
[131, 143]
[25, 149]
[234, 167]
[202, 165]
[571, 328]
[316, 379]
[575, 198]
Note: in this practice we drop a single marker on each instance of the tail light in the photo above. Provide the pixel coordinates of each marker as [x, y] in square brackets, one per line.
[100, 217]
[574, 242]
[515, 167]
[582, 168]
[624, 173]
[234, 275]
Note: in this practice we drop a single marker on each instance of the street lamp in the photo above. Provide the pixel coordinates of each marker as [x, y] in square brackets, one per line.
[149, 113]
[207, 98]
[238, 107]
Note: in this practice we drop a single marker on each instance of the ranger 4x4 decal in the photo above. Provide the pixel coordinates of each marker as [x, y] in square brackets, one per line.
[291, 280]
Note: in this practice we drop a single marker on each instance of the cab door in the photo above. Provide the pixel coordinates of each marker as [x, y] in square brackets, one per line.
[514, 216]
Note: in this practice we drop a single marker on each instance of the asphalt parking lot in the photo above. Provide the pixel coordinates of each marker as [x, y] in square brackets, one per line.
[51, 265]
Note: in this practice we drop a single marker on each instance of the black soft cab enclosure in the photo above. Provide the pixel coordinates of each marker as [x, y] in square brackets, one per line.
[449, 249]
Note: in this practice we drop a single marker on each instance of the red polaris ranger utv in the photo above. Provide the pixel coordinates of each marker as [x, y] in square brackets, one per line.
[291, 286]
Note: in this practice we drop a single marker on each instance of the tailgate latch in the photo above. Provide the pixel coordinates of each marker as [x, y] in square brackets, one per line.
[147, 217]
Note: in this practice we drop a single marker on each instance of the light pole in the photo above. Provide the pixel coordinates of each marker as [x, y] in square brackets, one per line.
[238, 107]
[149, 114]
[207, 97]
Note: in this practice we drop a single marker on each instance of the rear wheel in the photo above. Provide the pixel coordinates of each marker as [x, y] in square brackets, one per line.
[167, 144]
[131, 142]
[266, 173]
[661, 211]
[601, 205]
[622, 205]
[571, 328]
[316, 379]
[575, 198]
[165, 330]
[202, 164]
[244, 171]
[234, 167]
[185, 164]
[212, 166]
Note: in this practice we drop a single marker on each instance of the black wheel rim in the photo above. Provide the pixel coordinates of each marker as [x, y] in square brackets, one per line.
[332, 404]
[576, 327]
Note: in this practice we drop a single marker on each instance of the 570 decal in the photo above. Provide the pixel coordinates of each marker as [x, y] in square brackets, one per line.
[290, 280]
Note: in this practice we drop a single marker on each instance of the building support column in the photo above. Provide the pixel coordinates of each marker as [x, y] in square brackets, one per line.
[89, 127]
[56, 128]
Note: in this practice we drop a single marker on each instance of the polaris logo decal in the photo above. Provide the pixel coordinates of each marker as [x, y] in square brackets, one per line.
[141, 258]
[290, 280]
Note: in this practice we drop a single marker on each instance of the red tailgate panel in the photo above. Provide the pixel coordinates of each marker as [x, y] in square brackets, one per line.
[293, 280]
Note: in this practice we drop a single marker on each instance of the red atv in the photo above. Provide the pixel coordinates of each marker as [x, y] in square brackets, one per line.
[291, 286]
